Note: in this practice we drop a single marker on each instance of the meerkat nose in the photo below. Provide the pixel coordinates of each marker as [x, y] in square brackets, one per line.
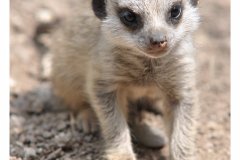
[163, 44]
[158, 44]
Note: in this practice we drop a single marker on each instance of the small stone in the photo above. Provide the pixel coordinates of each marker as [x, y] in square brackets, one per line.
[88, 138]
[61, 126]
[47, 135]
[88, 157]
[62, 138]
[39, 150]
[30, 153]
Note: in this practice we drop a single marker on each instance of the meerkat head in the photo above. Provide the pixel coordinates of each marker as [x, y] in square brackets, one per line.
[150, 27]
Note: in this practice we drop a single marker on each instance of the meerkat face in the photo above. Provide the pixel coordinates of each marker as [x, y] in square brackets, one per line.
[149, 27]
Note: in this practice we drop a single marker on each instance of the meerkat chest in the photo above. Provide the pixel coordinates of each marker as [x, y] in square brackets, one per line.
[137, 97]
[136, 92]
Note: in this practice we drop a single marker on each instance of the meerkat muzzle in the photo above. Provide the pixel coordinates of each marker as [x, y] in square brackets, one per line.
[158, 44]
[157, 47]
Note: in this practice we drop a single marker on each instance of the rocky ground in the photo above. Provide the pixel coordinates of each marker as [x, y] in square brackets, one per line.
[42, 129]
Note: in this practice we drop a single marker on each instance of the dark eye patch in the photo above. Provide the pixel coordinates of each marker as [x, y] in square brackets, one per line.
[130, 19]
[175, 13]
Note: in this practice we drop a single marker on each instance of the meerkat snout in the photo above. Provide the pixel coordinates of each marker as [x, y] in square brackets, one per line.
[158, 44]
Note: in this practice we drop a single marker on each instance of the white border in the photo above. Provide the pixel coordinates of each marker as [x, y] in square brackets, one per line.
[235, 79]
[4, 80]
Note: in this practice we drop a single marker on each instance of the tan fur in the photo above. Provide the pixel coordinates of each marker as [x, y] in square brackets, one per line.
[97, 67]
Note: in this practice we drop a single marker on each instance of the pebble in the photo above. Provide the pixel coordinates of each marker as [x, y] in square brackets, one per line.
[30, 152]
[39, 150]
[47, 135]
[62, 138]
[61, 126]
[88, 138]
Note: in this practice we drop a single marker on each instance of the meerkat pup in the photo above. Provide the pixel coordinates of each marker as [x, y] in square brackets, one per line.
[137, 51]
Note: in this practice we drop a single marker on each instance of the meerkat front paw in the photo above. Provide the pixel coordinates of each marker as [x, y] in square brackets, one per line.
[149, 135]
[87, 121]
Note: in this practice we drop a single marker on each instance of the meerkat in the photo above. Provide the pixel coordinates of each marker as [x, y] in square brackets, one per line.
[131, 52]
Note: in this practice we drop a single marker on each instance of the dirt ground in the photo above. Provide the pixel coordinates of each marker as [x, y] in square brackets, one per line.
[42, 129]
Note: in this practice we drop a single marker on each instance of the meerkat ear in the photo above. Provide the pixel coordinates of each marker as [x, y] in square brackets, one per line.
[99, 8]
[194, 2]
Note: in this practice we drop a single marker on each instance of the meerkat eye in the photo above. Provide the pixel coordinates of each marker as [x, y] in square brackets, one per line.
[130, 19]
[176, 12]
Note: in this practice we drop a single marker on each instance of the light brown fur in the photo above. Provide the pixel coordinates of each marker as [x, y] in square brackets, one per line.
[99, 75]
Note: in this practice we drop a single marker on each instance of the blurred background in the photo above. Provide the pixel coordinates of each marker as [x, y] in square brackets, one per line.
[40, 128]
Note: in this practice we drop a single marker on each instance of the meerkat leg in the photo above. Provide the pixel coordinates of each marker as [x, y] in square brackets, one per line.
[144, 130]
[84, 116]
[113, 123]
[182, 129]
[87, 120]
